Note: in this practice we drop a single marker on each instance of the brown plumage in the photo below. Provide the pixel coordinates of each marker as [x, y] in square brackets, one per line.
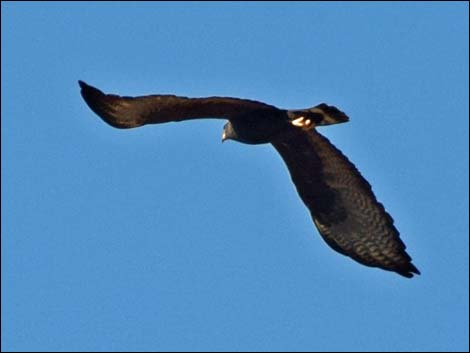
[341, 202]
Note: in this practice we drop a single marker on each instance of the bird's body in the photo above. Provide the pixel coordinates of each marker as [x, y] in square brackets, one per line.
[341, 202]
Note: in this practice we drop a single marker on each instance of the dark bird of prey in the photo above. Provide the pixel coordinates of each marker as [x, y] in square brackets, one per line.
[343, 207]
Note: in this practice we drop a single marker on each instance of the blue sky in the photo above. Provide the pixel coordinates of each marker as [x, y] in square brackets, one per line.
[161, 238]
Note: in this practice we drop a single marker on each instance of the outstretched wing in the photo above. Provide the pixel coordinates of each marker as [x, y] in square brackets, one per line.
[129, 112]
[342, 204]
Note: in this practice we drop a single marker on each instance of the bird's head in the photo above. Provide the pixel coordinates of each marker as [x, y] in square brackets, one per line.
[229, 132]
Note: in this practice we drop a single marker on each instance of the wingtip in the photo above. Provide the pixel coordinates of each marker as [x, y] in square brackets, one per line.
[107, 107]
[82, 84]
[94, 98]
[414, 269]
[86, 87]
[410, 271]
[89, 91]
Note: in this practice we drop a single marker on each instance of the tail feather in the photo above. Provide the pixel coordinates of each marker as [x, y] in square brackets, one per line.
[331, 115]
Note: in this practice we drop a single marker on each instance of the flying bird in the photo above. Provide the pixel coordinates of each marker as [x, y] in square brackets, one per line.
[341, 202]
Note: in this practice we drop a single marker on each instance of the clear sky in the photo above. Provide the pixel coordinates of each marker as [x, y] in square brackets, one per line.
[162, 238]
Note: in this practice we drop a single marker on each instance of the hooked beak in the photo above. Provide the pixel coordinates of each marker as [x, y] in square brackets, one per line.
[224, 136]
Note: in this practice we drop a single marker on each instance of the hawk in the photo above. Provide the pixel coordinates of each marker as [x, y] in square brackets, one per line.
[341, 202]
